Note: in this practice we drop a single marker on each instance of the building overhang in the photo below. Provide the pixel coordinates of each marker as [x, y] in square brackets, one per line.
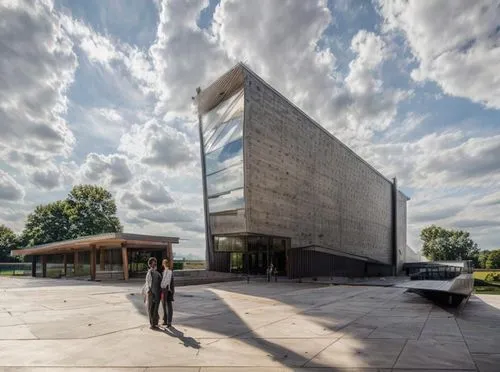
[221, 89]
[107, 241]
[336, 252]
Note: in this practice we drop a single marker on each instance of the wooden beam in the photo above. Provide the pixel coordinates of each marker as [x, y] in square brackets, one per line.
[170, 255]
[125, 261]
[102, 259]
[92, 262]
[44, 266]
[146, 243]
[65, 263]
[75, 263]
[33, 266]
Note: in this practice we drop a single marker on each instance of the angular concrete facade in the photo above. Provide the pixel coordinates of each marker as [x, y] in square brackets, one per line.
[291, 189]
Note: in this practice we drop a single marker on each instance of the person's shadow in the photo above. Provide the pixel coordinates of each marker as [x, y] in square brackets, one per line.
[187, 341]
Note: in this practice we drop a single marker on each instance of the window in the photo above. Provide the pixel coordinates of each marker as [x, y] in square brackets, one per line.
[224, 181]
[224, 157]
[227, 201]
[229, 244]
[236, 262]
[223, 151]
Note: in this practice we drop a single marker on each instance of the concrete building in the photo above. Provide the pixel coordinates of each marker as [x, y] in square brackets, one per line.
[280, 188]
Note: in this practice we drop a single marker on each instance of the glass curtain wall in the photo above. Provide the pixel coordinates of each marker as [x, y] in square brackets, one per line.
[222, 129]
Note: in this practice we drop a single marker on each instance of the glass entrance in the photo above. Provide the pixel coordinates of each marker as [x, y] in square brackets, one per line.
[253, 254]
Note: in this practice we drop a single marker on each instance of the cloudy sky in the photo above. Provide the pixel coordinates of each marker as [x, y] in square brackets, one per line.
[99, 91]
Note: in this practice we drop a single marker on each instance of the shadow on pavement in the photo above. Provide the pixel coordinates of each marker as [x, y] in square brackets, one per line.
[255, 315]
[187, 341]
[225, 321]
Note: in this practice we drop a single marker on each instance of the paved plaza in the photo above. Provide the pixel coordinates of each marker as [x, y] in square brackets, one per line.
[50, 324]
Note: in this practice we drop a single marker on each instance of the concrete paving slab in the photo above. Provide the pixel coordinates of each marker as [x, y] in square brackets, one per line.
[431, 354]
[261, 352]
[487, 362]
[7, 319]
[239, 326]
[18, 332]
[295, 326]
[442, 329]
[346, 353]
[357, 331]
[480, 337]
[401, 330]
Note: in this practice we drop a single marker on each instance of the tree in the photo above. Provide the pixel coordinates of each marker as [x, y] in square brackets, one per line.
[448, 245]
[88, 210]
[8, 242]
[91, 210]
[46, 224]
[493, 261]
[483, 258]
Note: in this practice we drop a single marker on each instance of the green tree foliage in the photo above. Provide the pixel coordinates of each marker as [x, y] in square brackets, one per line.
[448, 245]
[482, 258]
[493, 261]
[88, 210]
[46, 224]
[92, 210]
[8, 242]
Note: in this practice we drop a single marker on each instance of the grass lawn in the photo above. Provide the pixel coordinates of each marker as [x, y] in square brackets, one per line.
[482, 274]
[9, 273]
[486, 289]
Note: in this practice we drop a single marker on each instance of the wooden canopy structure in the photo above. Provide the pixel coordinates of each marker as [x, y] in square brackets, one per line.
[99, 243]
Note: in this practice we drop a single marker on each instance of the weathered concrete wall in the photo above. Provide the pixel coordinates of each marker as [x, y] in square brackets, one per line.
[401, 231]
[303, 183]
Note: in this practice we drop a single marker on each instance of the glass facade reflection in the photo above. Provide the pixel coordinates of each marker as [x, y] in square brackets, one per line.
[222, 129]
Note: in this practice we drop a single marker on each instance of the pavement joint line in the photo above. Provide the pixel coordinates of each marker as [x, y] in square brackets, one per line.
[399, 355]
[425, 323]
[466, 343]
[319, 352]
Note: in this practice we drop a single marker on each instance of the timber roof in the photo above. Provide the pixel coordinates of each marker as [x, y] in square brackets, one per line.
[111, 240]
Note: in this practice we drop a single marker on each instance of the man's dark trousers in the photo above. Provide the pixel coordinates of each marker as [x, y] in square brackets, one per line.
[154, 298]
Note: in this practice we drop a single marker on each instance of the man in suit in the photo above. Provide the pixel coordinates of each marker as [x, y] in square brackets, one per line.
[153, 286]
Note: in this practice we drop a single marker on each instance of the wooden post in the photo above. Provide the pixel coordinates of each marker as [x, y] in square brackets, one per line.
[75, 263]
[92, 262]
[125, 261]
[102, 259]
[65, 263]
[33, 266]
[44, 266]
[170, 255]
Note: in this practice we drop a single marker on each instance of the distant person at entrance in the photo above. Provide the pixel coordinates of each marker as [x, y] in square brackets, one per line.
[153, 288]
[167, 293]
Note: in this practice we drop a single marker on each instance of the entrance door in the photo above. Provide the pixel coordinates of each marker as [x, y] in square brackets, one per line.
[257, 262]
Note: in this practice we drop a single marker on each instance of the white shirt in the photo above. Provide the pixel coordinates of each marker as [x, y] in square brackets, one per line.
[149, 281]
[166, 278]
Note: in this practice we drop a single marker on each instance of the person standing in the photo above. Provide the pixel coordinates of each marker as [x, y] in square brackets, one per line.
[167, 291]
[153, 288]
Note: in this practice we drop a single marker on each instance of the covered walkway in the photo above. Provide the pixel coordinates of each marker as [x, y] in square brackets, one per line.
[102, 248]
